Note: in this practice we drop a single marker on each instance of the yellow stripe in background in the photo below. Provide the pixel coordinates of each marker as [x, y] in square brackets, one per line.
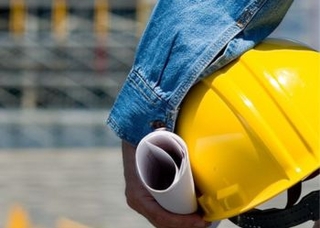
[101, 17]
[59, 19]
[18, 17]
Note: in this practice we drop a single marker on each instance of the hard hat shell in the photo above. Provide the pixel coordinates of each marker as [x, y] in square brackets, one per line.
[252, 128]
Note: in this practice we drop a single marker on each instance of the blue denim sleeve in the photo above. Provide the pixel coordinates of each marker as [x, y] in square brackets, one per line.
[184, 41]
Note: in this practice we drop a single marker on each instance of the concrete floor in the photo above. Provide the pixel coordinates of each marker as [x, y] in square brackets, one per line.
[80, 185]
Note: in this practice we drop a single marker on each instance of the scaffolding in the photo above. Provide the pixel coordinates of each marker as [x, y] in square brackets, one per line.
[67, 54]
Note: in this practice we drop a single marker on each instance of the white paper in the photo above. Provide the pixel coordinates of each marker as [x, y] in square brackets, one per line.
[164, 168]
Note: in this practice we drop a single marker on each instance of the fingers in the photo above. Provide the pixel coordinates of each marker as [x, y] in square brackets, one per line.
[139, 199]
[142, 202]
[163, 219]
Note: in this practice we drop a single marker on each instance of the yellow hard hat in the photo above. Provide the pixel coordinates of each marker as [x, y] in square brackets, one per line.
[252, 128]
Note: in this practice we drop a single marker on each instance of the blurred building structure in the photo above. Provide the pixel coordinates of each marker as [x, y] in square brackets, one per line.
[64, 55]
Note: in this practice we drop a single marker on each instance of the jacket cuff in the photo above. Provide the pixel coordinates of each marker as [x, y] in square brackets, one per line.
[138, 110]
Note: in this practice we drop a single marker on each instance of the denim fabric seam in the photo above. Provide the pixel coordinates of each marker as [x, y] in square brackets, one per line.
[113, 125]
[239, 25]
[203, 63]
[144, 88]
[249, 13]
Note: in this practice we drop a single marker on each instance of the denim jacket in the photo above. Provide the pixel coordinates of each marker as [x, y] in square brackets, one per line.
[184, 41]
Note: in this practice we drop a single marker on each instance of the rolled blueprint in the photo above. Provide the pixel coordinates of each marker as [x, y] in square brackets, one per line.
[164, 168]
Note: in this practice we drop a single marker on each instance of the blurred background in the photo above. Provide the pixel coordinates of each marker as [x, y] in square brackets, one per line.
[62, 63]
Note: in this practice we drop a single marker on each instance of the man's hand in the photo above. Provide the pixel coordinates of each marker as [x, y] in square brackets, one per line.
[139, 199]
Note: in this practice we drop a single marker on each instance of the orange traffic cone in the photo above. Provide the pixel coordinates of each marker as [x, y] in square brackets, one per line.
[18, 218]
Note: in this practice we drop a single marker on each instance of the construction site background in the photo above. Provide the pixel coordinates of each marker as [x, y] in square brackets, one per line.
[62, 65]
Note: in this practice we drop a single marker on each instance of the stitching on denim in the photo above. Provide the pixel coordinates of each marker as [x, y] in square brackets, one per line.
[144, 85]
[249, 13]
